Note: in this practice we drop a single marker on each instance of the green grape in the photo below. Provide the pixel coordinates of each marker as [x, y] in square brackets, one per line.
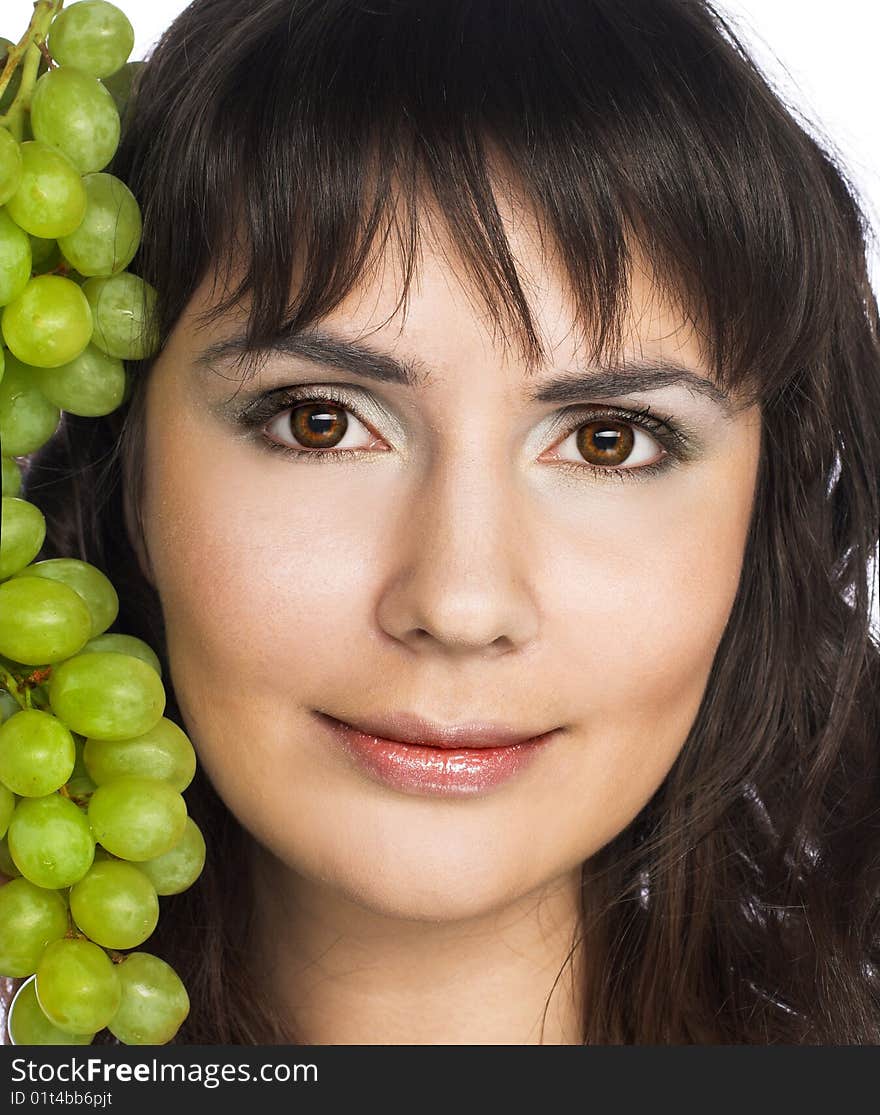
[27, 418]
[30, 918]
[124, 644]
[78, 987]
[11, 475]
[15, 258]
[80, 785]
[179, 867]
[7, 805]
[51, 199]
[115, 905]
[50, 841]
[123, 309]
[44, 251]
[26, 672]
[36, 754]
[163, 753]
[22, 533]
[49, 323]
[10, 163]
[99, 776]
[71, 110]
[92, 384]
[136, 818]
[94, 35]
[29, 1026]
[88, 581]
[7, 864]
[129, 385]
[41, 621]
[154, 1001]
[108, 237]
[120, 85]
[106, 695]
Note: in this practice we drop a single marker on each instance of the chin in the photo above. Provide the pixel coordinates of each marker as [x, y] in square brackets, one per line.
[425, 904]
[443, 889]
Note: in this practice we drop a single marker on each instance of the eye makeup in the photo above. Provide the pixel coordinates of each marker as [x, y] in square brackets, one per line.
[679, 440]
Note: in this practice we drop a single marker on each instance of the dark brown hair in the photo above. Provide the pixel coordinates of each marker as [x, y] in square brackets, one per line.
[741, 905]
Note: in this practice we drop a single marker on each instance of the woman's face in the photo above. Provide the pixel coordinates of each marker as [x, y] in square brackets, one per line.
[464, 564]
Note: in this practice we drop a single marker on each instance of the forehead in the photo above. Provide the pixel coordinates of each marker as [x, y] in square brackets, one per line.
[443, 306]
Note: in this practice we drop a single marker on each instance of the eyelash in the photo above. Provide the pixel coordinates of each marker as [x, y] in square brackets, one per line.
[662, 428]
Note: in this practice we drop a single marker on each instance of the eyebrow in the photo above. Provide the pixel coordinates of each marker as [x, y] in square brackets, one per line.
[606, 381]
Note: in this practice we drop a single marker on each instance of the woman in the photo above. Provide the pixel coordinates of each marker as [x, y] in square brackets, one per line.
[350, 212]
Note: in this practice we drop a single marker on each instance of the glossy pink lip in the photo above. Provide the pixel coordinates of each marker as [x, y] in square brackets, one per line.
[406, 727]
[445, 769]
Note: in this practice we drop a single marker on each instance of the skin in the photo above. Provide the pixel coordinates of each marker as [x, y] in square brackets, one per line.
[458, 572]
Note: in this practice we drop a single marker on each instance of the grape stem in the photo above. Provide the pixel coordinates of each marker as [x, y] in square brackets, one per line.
[20, 689]
[27, 52]
[51, 64]
[9, 683]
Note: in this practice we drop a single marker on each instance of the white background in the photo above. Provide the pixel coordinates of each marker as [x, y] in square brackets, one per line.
[821, 57]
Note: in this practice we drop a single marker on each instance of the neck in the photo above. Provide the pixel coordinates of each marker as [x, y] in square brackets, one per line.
[344, 974]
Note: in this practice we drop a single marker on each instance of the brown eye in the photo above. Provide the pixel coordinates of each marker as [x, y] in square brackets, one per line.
[613, 445]
[318, 425]
[605, 442]
[320, 428]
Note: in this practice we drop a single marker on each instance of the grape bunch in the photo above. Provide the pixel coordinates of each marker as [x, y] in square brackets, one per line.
[93, 824]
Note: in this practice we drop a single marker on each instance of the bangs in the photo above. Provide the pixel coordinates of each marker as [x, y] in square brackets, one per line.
[308, 133]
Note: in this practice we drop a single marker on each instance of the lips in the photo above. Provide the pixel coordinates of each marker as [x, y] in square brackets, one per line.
[448, 760]
[406, 727]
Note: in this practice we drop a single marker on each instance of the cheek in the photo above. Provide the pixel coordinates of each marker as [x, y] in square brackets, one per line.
[640, 613]
[263, 580]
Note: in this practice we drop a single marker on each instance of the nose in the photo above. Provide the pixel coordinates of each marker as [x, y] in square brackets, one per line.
[460, 580]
